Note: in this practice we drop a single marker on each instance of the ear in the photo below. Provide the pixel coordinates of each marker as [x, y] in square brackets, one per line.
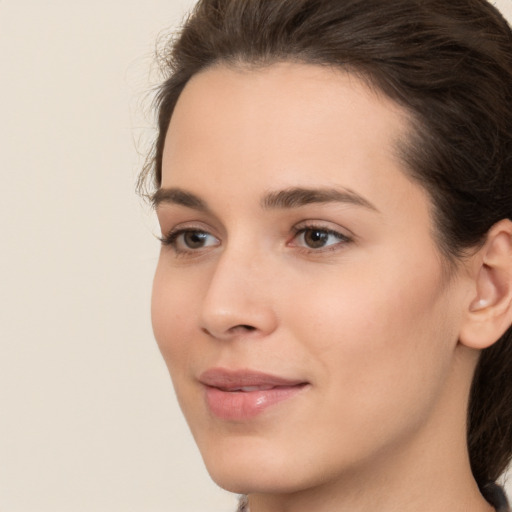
[489, 313]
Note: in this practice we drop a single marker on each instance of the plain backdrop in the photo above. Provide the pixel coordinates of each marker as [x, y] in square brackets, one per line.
[88, 418]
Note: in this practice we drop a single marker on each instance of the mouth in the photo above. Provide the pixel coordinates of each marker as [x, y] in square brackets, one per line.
[243, 394]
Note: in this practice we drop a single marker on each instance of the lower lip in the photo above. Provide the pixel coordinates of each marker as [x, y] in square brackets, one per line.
[242, 405]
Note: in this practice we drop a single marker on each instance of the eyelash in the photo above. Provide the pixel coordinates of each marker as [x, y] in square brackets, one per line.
[170, 240]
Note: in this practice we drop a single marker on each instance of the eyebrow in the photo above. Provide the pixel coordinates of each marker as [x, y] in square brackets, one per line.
[179, 197]
[297, 196]
[294, 197]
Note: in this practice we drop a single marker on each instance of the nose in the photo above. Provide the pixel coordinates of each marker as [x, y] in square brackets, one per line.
[239, 300]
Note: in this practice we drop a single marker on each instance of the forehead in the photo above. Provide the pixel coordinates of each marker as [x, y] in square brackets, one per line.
[287, 100]
[288, 124]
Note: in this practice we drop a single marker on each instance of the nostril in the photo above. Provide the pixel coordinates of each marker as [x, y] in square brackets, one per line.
[241, 328]
[247, 327]
[231, 331]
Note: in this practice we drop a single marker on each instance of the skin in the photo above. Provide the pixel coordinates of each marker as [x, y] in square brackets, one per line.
[371, 320]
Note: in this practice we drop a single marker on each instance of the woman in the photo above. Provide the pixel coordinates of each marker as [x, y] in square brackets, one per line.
[333, 182]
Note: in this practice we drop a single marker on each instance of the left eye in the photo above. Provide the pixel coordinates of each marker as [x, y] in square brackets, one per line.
[318, 238]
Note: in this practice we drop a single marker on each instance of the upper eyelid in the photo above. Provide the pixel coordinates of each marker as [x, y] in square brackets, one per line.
[168, 213]
[188, 225]
[325, 225]
[323, 229]
[178, 230]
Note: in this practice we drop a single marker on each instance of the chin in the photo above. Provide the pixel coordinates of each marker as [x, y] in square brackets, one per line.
[251, 467]
[254, 480]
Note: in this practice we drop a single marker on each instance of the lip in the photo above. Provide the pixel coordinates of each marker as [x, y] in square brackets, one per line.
[239, 395]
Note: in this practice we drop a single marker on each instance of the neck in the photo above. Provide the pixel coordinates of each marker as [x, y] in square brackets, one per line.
[417, 488]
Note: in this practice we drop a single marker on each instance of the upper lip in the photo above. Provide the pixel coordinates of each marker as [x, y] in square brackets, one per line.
[223, 378]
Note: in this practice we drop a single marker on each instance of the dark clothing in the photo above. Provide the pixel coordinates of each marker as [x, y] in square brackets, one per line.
[495, 495]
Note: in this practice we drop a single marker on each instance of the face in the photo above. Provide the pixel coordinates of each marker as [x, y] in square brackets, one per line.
[300, 301]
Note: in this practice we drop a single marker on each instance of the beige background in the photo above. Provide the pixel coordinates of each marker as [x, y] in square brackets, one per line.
[88, 419]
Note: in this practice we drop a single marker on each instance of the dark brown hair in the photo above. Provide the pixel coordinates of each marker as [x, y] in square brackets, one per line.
[449, 63]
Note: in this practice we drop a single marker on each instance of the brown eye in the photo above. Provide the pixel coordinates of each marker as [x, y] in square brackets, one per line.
[319, 238]
[315, 238]
[189, 240]
[195, 239]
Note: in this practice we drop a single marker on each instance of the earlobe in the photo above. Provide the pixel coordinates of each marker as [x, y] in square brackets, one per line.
[489, 313]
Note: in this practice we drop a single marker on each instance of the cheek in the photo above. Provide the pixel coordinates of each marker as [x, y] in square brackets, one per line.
[382, 335]
[381, 304]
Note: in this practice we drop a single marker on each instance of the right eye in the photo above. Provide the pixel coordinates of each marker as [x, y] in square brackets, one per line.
[189, 240]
